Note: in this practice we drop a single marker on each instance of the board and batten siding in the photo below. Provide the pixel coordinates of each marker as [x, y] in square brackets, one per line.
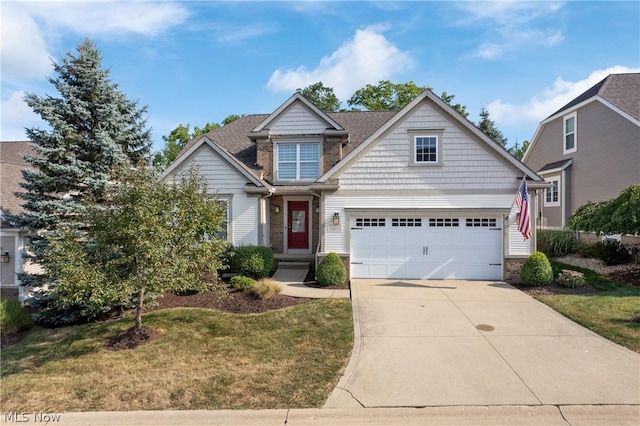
[297, 120]
[224, 180]
[465, 164]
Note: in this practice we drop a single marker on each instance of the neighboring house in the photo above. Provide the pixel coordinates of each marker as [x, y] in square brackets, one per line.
[417, 193]
[12, 239]
[589, 150]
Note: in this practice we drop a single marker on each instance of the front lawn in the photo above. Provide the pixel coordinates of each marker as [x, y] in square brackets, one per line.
[207, 359]
[611, 308]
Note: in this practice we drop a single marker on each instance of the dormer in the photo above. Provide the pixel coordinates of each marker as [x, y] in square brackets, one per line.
[298, 142]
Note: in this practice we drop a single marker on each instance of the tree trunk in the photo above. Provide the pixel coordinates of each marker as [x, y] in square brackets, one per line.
[139, 309]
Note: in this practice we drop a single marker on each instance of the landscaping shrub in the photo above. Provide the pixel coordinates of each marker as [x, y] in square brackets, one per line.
[242, 283]
[571, 279]
[556, 243]
[536, 270]
[253, 261]
[13, 317]
[610, 252]
[331, 271]
[266, 288]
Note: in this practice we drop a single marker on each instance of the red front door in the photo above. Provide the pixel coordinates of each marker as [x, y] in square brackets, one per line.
[297, 225]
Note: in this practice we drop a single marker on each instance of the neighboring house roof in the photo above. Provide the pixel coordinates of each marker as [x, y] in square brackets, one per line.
[556, 165]
[12, 164]
[621, 90]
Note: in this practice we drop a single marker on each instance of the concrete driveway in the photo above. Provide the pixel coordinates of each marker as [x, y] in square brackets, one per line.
[453, 343]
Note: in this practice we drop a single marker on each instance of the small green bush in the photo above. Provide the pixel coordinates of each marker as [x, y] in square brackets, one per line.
[536, 270]
[266, 288]
[331, 271]
[556, 243]
[13, 317]
[242, 283]
[253, 261]
[571, 279]
[610, 252]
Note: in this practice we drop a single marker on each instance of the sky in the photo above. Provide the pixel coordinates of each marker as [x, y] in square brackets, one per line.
[196, 62]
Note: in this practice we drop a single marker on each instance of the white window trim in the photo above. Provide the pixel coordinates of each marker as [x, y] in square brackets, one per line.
[553, 203]
[276, 163]
[425, 133]
[227, 198]
[564, 133]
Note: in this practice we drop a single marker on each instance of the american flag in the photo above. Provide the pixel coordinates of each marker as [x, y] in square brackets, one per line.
[522, 201]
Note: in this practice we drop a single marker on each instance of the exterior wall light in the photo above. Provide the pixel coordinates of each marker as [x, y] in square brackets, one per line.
[518, 218]
[336, 219]
[277, 209]
[4, 257]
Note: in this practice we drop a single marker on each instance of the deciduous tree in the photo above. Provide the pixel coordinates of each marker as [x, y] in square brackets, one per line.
[322, 96]
[618, 216]
[386, 96]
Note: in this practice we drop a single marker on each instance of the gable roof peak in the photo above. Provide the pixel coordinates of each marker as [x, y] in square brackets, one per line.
[297, 97]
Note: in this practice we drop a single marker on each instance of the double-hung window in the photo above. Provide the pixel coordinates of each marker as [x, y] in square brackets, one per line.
[426, 147]
[570, 134]
[298, 161]
[552, 194]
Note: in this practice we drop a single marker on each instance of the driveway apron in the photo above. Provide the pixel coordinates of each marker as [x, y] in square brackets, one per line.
[425, 343]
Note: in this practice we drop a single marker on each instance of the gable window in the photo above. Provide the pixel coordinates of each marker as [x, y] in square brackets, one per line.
[552, 194]
[298, 161]
[426, 147]
[569, 129]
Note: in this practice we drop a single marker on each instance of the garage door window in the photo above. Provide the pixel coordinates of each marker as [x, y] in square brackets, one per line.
[370, 221]
[482, 222]
[446, 222]
[406, 221]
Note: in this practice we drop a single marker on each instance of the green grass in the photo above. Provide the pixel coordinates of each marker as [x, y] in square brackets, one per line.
[207, 359]
[608, 312]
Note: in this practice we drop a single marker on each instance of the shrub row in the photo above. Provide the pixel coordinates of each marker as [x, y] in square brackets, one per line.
[556, 243]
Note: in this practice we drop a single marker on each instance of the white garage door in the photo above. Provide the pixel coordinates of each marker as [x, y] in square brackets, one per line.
[426, 247]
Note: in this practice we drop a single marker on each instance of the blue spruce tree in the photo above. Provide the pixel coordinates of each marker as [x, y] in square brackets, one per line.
[95, 133]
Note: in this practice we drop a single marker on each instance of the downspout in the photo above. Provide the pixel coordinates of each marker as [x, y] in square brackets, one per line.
[316, 194]
[263, 213]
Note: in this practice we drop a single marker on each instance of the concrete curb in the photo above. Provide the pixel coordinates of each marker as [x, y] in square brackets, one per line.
[586, 415]
[340, 389]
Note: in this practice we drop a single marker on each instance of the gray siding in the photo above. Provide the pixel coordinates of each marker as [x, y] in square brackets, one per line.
[607, 159]
[465, 164]
[7, 270]
[296, 120]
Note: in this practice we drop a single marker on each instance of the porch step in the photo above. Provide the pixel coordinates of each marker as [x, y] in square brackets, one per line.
[293, 265]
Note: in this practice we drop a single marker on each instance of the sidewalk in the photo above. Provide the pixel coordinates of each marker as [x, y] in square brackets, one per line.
[291, 278]
[574, 415]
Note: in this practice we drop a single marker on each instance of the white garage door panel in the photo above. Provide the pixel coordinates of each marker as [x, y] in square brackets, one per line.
[437, 252]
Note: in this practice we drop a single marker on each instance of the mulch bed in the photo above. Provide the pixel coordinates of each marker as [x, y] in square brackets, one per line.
[132, 338]
[631, 276]
[554, 288]
[234, 301]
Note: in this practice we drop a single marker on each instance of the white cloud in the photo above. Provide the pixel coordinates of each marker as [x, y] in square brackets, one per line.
[550, 99]
[23, 49]
[95, 18]
[511, 25]
[366, 59]
[16, 115]
[232, 34]
[27, 28]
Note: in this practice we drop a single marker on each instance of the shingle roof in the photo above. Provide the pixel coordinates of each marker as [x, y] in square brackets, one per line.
[621, 90]
[234, 138]
[11, 165]
[555, 165]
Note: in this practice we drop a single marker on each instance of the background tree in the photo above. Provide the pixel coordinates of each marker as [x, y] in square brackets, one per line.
[322, 96]
[488, 127]
[618, 216]
[519, 151]
[462, 109]
[175, 142]
[386, 96]
[152, 238]
[96, 132]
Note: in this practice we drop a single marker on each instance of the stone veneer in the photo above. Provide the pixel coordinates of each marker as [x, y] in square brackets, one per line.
[512, 267]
